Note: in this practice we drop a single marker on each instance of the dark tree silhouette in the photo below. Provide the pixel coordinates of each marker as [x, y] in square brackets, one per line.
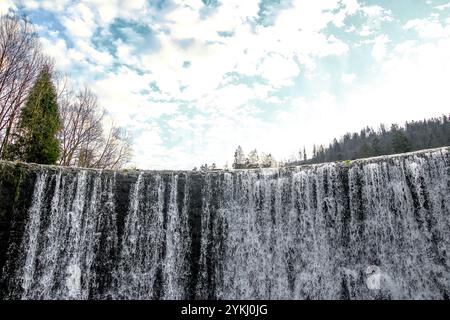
[39, 122]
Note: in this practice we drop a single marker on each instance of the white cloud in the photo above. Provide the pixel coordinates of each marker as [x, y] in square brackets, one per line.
[348, 78]
[82, 53]
[443, 6]
[278, 71]
[377, 14]
[375, 17]
[50, 5]
[233, 100]
[6, 5]
[351, 6]
[122, 94]
[89, 52]
[104, 10]
[57, 49]
[79, 21]
[411, 85]
[250, 51]
[428, 28]
[267, 52]
[379, 47]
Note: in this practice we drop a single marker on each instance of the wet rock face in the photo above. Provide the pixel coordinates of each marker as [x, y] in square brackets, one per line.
[372, 229]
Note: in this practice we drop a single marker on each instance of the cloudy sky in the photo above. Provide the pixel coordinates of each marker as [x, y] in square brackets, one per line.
[194, 79]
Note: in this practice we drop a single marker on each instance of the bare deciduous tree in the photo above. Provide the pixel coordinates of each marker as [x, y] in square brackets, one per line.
[115, 151]
[84, 140]
[20, 62]
[81, 124]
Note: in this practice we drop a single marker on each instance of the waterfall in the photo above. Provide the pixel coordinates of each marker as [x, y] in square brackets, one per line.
[371, 229]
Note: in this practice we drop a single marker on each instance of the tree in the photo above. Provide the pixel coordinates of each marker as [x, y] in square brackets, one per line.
[85, 157]
[39, 122]
[84, 140]
[82, 127]
[366, 150]
[253, 158]
[376, 146]
[400, 142]
[239, 158]
[267, 161]
[114, 151]
[20, 63]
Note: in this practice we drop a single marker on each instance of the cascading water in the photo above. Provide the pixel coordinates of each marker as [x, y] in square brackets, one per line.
[372, 229]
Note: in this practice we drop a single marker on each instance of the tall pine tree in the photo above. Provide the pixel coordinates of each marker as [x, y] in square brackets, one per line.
[38, 124]
[400, 142]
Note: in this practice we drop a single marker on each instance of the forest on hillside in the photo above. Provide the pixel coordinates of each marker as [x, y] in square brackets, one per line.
[414, 135]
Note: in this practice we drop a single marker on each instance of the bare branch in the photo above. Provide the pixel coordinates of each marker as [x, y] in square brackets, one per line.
[83, 139]
[21, 60]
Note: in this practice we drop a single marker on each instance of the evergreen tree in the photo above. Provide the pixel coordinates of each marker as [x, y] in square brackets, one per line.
[366, 151]
[239, 158]
[253, 158]
[376, 146]
[400, 142]
[39, 122]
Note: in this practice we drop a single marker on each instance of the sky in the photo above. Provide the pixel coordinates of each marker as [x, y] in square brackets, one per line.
[192, 80]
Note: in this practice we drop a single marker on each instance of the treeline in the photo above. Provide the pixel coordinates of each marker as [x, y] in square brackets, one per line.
[43, 118]
[414, 135]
